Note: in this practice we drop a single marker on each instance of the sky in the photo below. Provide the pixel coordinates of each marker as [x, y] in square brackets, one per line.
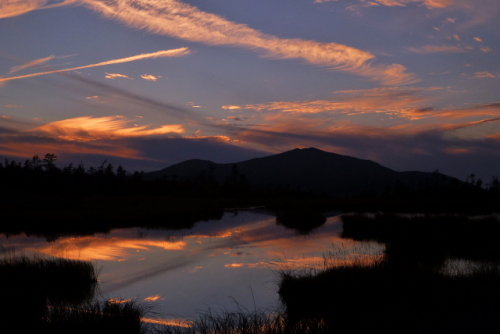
[410, 84]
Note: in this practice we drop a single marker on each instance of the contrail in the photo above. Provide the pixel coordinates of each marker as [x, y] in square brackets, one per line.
[164, 53]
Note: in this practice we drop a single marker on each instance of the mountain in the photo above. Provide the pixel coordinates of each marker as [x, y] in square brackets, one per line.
[308, 169]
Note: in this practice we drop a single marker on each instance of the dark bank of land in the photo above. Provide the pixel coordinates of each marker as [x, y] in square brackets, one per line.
[37, 197]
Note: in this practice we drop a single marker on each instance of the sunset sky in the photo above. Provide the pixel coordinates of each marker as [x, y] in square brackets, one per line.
[410, 84]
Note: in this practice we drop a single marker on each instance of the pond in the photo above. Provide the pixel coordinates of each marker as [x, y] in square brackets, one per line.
[225, 264]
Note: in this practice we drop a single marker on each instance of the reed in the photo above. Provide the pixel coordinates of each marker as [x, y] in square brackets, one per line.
[246, 322]
[96, 317]
[59, 280]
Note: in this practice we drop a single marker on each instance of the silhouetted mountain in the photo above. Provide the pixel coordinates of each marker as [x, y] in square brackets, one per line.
[307, 169]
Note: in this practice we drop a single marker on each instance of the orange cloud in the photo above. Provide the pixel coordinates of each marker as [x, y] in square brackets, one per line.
[230, 107]
[93, 128]
[165, 53]
[221, 138]
[484, 75]
[10, 8]
[150, 77]
[393, 100]
[82, 135]
[116, 75]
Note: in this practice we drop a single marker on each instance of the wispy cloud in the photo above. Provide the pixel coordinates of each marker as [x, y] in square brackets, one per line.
[484, 75]
[178, 19]
[392, 100]
[165, 53]
[231, 107]
[437, 49]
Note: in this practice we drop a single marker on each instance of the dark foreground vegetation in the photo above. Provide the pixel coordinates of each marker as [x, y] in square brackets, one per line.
[381, 298]
[246, 322]
[104, 317]
[302, 220]
[53, 295]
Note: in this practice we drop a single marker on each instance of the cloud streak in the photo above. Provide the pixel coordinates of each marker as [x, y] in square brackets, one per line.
[428, 3]
[33, 63]
[164, 53]
[437, 49]
[401, 3]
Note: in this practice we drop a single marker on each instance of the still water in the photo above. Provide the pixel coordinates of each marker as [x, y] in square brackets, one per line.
[217, 265]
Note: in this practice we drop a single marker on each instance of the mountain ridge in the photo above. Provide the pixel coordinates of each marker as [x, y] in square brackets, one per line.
[308, 169]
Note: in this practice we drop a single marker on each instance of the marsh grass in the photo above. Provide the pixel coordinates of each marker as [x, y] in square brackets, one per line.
[29, 285]
[97, 317]
[59, 280]
[246, 322]
[385, 297]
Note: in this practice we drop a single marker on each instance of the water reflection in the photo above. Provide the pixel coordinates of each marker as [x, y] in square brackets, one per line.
[228, 263]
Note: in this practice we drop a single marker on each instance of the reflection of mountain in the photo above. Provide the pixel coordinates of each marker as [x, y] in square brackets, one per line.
[308, 170]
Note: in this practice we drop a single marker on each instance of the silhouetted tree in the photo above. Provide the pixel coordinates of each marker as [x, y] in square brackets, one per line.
[48, 161]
